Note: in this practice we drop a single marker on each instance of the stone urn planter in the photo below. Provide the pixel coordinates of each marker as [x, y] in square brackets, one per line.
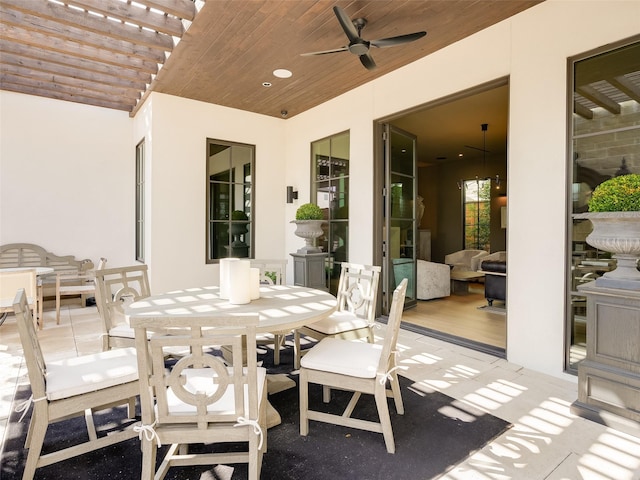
[619, 234]
[309, 230]
[614, 211]
[309, 220]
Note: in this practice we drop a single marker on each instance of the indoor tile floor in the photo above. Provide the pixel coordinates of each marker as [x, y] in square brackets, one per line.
[545, 442]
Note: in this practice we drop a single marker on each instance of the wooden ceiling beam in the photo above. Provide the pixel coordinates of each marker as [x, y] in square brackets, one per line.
[132, 14]
[11, 71]
[66, 32]
[74, 66]
[60, 95]
[599, 99]
[583, 111]
[91, 23]
[54, 86]
[626, 86]
[185, 9]
[52, 44]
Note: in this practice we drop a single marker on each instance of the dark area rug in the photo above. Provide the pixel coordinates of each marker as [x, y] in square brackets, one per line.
[435, 433]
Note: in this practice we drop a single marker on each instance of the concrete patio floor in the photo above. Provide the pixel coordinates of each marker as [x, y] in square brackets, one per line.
[546, 441]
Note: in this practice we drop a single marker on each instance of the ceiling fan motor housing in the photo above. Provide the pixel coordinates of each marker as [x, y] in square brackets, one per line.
[359, 47]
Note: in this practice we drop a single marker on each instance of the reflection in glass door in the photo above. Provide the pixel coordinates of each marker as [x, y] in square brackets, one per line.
[399, 214]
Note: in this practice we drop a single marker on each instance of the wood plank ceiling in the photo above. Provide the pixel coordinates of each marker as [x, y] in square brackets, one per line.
[113, 53]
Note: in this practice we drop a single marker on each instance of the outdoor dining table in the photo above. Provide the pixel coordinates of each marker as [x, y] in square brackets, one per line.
[280, 308]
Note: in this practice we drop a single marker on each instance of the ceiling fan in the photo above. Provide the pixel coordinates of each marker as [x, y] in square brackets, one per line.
[358, 45]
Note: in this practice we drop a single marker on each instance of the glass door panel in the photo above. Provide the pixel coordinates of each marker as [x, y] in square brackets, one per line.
[400, 214]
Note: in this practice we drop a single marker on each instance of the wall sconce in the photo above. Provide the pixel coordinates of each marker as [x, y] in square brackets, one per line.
[291, 194]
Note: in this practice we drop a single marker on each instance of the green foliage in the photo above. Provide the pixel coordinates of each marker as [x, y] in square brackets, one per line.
[239, 215]
[618, 194]
[309, 211]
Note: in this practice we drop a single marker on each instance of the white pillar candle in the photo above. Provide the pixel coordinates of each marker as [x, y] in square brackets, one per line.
[224, 277]
[239, 285]
[255, 283]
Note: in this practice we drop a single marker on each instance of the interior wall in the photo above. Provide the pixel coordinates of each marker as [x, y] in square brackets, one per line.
[447, 236]
[66, 174]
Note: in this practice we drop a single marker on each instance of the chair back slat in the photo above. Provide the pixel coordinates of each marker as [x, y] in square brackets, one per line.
[117, 287]
[393, 327]
[36, 366]
[358, 289]
[199, 389]
[272, 272]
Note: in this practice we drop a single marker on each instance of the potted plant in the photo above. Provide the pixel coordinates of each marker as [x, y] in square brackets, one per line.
[309, 220]
[238, 247]
[614, 211]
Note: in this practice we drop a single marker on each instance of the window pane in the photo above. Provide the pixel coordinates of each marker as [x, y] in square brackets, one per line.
[140, 202]
[229, 200]
[402, 196]
[330, 191]
[605, 116]
[477, 214]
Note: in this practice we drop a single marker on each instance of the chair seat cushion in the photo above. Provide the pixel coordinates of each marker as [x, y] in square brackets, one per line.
[88, 373]
[122, 330]
[338, 322]
[352, 358]
[8, 302]
[199, 380]
[125, 331]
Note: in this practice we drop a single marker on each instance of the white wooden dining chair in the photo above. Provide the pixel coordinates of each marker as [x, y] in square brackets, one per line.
[116, 287]
[11, 282]
[356, 309]
[272, 272]
[71, 283]
[358, 367]
[75, 386]
[199, 399]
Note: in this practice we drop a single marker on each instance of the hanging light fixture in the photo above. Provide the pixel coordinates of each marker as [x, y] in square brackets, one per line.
[485, 127]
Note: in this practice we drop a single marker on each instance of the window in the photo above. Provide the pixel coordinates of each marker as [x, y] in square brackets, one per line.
[604, 115]
[140, 201]
[330, 191]
[230, 217]
[477, 214]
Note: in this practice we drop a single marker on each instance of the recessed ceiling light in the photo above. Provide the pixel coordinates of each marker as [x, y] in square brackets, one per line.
[266, 84]
[282, 73]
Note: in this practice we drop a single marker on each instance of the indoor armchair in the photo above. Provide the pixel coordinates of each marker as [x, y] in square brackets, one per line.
[466, 259]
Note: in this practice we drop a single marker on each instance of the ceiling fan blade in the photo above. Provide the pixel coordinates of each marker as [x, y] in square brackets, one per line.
[367, 61]
[324, 52]
[400, 39]
[347, 24]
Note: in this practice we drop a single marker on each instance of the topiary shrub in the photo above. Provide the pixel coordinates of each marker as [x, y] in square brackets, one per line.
[309, 211]
[618, 194]
[239, 215]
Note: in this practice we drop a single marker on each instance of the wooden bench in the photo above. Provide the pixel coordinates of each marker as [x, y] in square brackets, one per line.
[64, 267]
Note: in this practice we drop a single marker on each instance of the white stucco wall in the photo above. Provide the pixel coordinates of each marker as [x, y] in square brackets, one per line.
[65, 176]
[75, 164]
[176, 130]
[532, 49]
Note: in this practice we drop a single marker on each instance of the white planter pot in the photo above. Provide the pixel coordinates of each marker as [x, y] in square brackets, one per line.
[309, 230]
[619, 234]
